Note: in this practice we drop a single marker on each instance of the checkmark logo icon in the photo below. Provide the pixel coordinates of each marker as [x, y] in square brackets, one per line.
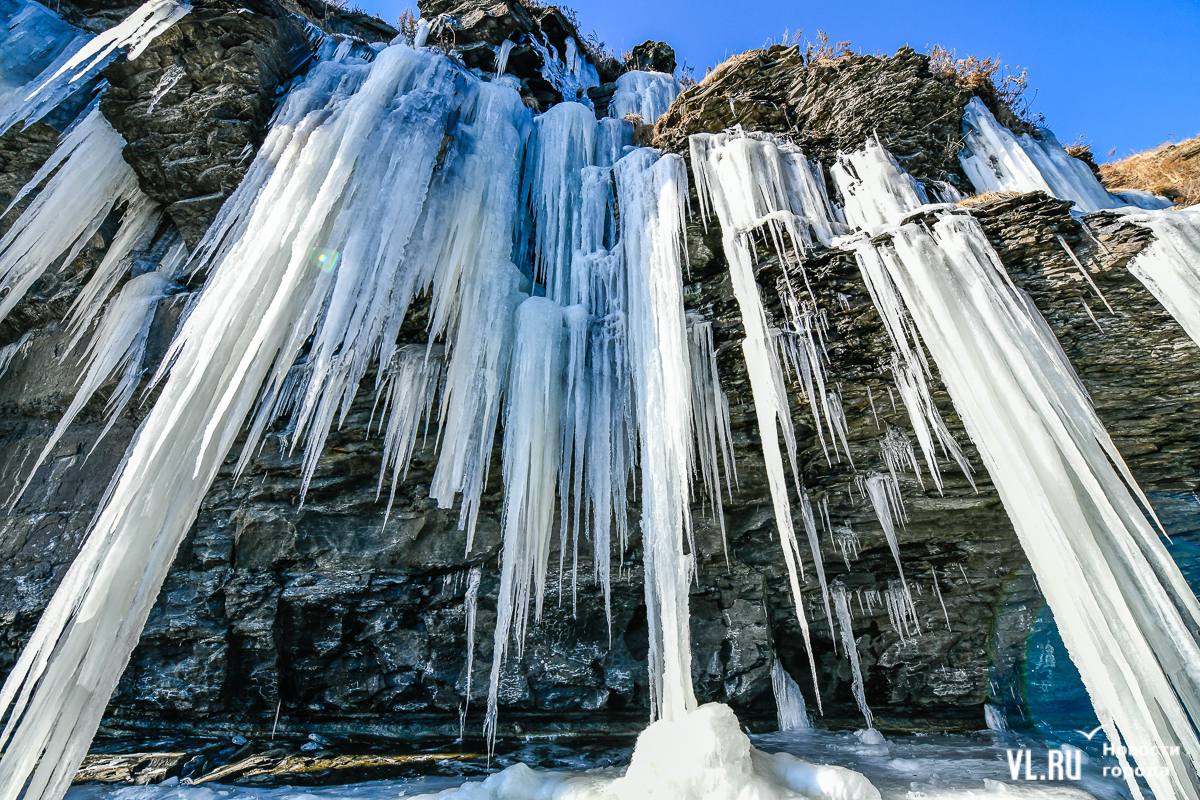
[1092, 734]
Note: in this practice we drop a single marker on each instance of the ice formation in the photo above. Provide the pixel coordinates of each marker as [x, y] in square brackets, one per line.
[652, 195]
[841, 605]
[80, 61]
[1170, 266]
[532, 452]
[875, 190]
[331, 150]
[1125, 612]
[36, 39]
[552, 254]
[117, 349]
[997, 160]
[751, 183]
[81, 183]
[644, 94]
[791, 712]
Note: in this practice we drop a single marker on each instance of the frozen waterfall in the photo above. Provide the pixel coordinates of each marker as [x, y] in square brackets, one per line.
[1125, 612]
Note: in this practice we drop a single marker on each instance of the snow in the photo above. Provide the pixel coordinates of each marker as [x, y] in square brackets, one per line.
[644, 94]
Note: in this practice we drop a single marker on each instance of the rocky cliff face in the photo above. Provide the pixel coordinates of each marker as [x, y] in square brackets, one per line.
[340, 622]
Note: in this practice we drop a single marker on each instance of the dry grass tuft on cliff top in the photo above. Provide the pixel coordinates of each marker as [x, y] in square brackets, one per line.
[1172, 170]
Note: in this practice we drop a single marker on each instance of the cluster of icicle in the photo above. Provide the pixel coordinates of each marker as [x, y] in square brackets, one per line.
[552, 254]
[52, 60]
[584, 351]
[1127, 615]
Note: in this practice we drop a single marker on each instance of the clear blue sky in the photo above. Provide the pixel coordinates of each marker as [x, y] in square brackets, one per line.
[1122, 76]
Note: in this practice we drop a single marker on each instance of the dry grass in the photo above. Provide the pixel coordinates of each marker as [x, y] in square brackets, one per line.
[989, 78]
[986, 197]
[1171, 170]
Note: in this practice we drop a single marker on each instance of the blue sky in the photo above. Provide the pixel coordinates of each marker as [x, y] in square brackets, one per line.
[1123, 76]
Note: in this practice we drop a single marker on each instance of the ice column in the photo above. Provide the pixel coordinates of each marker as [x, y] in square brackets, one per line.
[652, 196]
[791, 713]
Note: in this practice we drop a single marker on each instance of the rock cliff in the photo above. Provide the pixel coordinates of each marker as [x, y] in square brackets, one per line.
[326, 619]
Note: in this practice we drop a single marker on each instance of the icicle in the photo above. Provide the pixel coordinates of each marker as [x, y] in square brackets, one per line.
[902, 611]
[409, 388]
[532, 451]
[470, 606]
[116, 349]
[937, 590]
[1087, 276]
[646, 95]
[791, 712]
[847, 542]
[1170, 266]
[35, 40]
[875, 191]
[576, 408]
[81, 183]
[502, 53]
[564, 143]
[1126, 613]
[9, 352]
[910, 369]
[572, 75]
[475, 377]
[334, 150]
[81, 63]
[652, 196]
[998, 161]
[710, 421]
[138, 224]
[814, 546]
[750, 183]
[898, 455]
[850, 645]
[884, 493]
